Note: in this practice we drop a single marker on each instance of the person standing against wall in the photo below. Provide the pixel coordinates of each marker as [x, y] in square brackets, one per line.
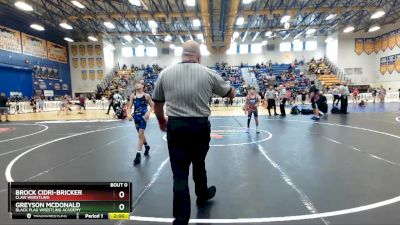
[186, 89]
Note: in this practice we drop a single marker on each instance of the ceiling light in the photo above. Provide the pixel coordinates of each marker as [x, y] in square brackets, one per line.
[196, 23]
[181, 39]
[287, 35]
[298, 35]
[310, 31]
[240, 21]
[348, 29]
[285, 19]
[244, 36]
[236, 34]
[92, 38]
[268, 33]
[264, 42]
[168, 38]
[286, 25]
[331, 16]
[139, 40]
[78, 4]
[247, 1]
[66, 26]
[153, 24]
[171, 46]
[37, 27]
[135, 2]
[190, 2]
[23, 6]
[255, 36]
[109, 25]
[374, 28]
[151, 41]
[378, 14]
[128, 38]
[68, 39]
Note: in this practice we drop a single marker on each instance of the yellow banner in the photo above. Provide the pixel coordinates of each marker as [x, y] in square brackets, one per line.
[34, 46]
[75, 63]
[100, 74]
[83, 63]
[91, 62]
[90, 50]
[92, 74]
[369, 45]
[84, 74]
[82, 50]
[384, 42]
[99, 62]
[383, 66]
[398, 38]
[56, 52]
[397, 63]
[74, 50]
[10, 40]
[378, 44]
[98, 49]
[392, 39]
[359, 45]
[390, 63]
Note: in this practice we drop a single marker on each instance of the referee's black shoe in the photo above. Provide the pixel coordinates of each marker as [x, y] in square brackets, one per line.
[137, 159]
[211, 193]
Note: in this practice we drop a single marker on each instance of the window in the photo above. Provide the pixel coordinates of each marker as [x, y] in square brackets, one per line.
[232, 49]
[127, 52]
[178, 51]
[297, 45]
[243, 49]
[139, 51]
[285, 47]
[256, 48]
[204, 50]
[311, 45]
[151, 51]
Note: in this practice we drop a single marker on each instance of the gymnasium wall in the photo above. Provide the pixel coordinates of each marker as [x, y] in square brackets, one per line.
[17, 68]
[210, 60]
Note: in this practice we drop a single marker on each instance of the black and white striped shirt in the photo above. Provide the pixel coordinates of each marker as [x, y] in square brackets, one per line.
[187, 88]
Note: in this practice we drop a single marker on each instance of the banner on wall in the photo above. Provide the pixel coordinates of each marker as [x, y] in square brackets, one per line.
[65, 87]
[74, 50]
[75, 62]
[392, 40]
[33, 46]
[398, 38]
[378, 44]
[82, 50]
[92, 74]
[397, 63]
[383, 65]
[99, 74]
[369, 45]
[57, 86]
[90, 50]
[359, 45]
[56, 52]
[99, 62]
[84, 74]
[91, 62]
[10, 40]
[384, 42]
[98, 49]
[391, 61]
[83, 63]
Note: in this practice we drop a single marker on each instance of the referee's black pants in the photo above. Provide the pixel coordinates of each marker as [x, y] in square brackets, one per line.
[188, 143]
[344, 101]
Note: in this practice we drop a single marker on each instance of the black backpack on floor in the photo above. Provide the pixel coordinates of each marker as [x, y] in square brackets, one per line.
[335, 110]
[307, 111]
[295, 110]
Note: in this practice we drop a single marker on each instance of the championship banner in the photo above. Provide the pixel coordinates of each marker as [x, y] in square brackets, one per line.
[92, 74]
[384, 42]
[83, 63]
[51, 74]
[57, 86]
[378, 44]
[391, 60]
[383, 66]
[398, 38]
[359, 45]
[75, 63]
[98, 49]
[10, 40]
[56, 52]
[392, 39]
[84, 74]
[45, 72]
[34, 46]
[91, 62]
[56, 74]
[99, 62]
[90, 50]
[397, 63]
[100, 74]
[65, 87]
[369, 45]
[82, 50]
[74, 50]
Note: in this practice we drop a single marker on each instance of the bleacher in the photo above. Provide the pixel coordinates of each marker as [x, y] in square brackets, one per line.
[323, 73]
[328, 80]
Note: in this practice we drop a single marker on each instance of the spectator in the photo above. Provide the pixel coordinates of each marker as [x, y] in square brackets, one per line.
[4, 106]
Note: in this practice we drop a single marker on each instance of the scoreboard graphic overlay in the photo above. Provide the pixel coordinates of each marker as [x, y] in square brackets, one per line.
[70, 200]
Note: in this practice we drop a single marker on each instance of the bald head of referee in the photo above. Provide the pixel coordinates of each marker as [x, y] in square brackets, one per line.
[186, 88]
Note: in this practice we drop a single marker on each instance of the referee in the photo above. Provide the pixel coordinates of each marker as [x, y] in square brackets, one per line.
[186, 89]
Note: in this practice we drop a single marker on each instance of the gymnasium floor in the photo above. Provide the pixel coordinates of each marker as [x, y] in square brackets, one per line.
[342, 170]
